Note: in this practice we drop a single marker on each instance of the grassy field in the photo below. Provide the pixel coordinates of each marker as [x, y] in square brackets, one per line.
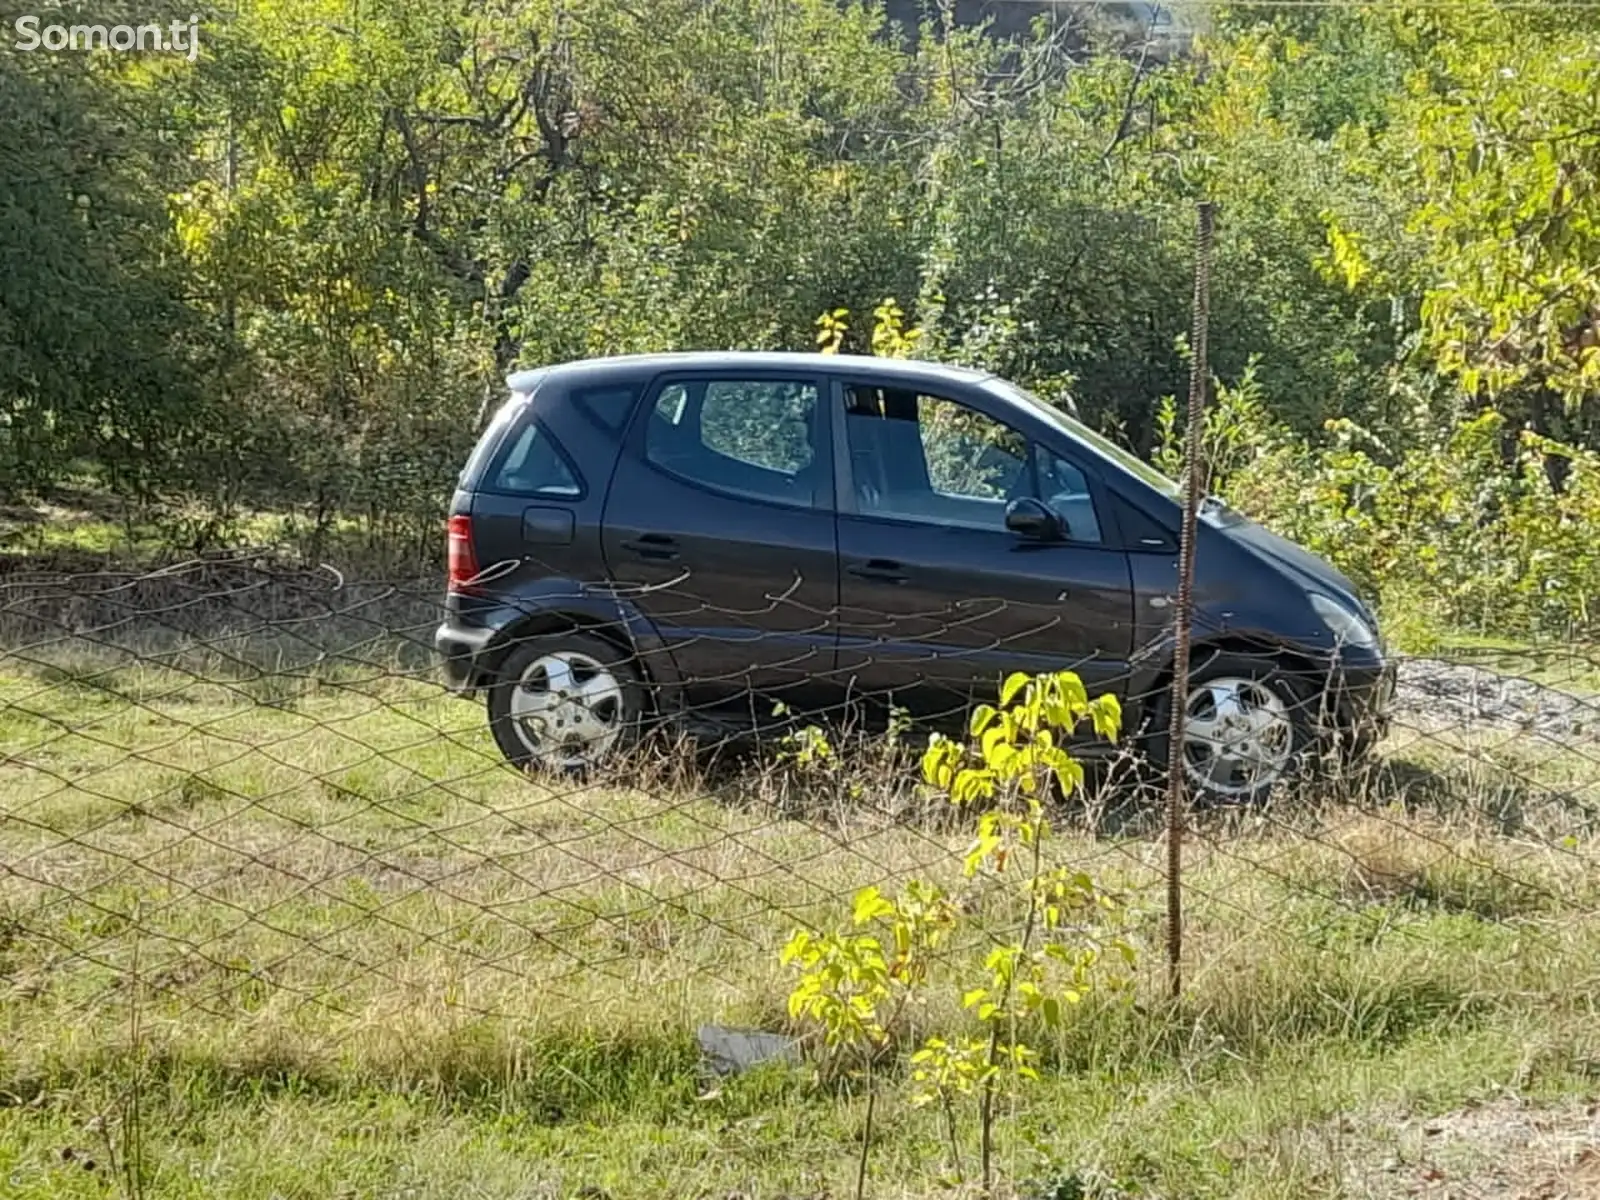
[308, 938]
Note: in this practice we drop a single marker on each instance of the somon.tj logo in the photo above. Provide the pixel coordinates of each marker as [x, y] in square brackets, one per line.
[175, 37]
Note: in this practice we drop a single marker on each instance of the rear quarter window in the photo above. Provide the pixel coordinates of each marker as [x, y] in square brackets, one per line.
[532, 463]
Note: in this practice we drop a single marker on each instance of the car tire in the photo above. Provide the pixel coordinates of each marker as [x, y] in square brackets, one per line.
[1251, 727]
[568, 703]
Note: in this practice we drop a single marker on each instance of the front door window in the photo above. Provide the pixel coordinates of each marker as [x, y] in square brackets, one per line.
[922, 458]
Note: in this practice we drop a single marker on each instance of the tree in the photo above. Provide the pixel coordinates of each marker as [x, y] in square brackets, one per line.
[1495, 151]
[98, 350]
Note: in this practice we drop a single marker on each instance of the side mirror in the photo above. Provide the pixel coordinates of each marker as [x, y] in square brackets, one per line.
[1030, 518]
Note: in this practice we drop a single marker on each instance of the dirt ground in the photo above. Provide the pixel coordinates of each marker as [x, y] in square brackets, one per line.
[1504, 1149]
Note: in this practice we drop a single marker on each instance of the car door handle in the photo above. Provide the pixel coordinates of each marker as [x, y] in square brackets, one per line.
[656, 546]
[880, 570]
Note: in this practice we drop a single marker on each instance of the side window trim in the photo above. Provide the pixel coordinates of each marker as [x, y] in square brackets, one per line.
[844, 489]
[636, 441]
[583, 399]
[490, 475]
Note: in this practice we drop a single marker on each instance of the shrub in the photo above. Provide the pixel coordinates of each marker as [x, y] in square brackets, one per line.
[1462, 530]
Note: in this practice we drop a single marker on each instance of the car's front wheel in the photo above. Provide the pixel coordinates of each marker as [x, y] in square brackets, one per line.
[568, 702]
[1248, 726]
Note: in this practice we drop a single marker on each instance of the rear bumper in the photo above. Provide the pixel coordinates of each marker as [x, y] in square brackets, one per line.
[461, 651]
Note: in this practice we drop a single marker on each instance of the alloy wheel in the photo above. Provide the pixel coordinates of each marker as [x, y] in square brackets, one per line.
[567, 709]
[1238, 737]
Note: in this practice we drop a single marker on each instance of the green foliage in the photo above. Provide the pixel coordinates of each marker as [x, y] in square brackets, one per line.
[290, 276]
[832, 778]
[1017, 748]
[1501, 158]
[854, 985]
[1461, 529]
[890, 337]
[101, 355]
[807, 747]
[1015, 756]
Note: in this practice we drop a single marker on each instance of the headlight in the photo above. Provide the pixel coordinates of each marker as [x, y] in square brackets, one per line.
[1347, 628]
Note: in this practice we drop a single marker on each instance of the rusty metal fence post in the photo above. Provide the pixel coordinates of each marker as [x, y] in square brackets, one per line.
[1183, 620]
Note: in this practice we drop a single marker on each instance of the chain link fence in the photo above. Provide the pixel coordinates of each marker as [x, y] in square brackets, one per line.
[235, 794]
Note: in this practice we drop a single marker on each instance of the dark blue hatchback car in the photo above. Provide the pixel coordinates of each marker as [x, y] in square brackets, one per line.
[695, 537]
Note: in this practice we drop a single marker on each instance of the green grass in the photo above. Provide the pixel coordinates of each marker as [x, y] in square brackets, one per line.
[331, 947]
[86, 520]
[83, 525]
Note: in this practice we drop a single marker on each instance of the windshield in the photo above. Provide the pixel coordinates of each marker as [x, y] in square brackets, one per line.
[1102, 445]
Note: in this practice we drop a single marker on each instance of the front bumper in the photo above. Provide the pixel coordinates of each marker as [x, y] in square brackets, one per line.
[1365, 696]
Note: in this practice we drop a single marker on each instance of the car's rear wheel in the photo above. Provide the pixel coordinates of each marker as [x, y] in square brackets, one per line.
[1249, 726]
[567, 702]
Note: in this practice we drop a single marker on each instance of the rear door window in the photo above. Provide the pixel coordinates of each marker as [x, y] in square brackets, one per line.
[472, 475]
[754, 438]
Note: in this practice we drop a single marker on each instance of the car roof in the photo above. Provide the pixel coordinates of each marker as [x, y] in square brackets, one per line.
[633, 365]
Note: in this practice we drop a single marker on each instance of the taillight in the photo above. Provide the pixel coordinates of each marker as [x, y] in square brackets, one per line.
[463, 558]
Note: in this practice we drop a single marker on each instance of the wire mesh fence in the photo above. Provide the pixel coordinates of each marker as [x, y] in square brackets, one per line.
[236, 795]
